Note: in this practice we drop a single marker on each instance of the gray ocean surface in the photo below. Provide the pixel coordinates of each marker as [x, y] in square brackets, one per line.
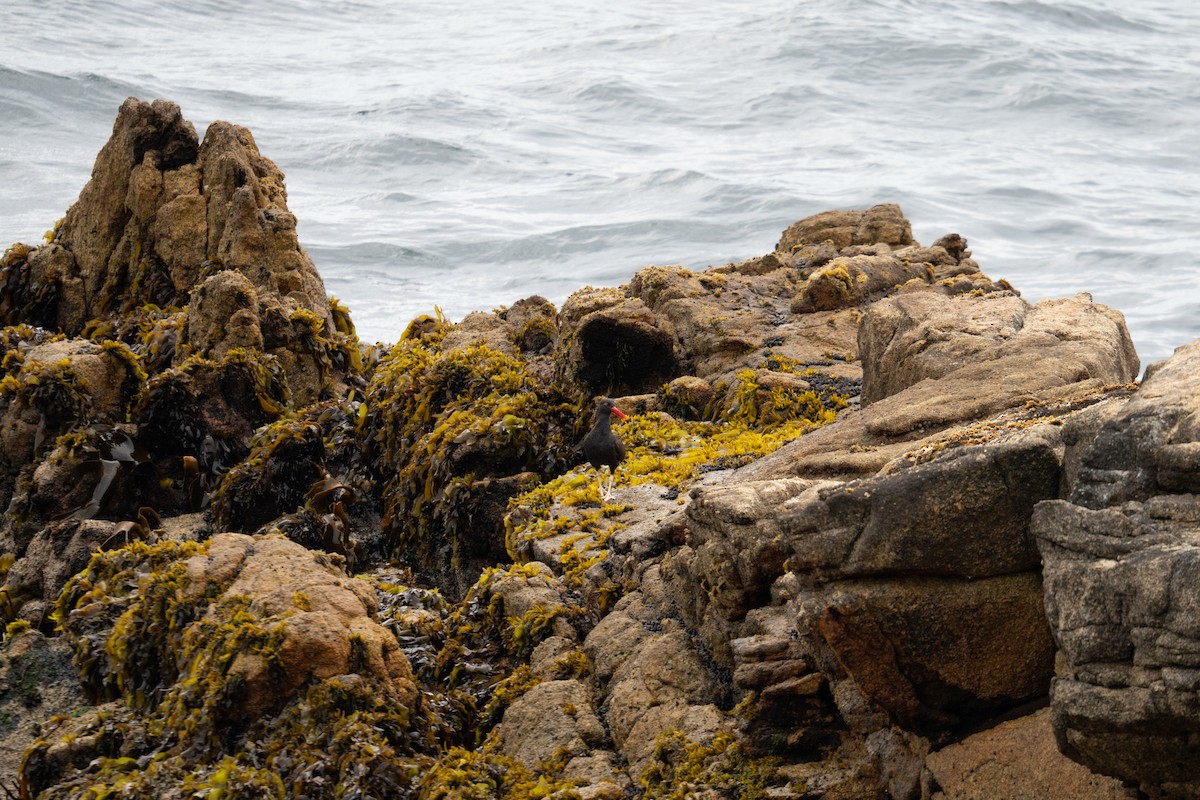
[467, 154]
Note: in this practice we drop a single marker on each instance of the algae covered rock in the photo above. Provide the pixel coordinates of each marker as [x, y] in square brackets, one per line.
[225, 647]
[168, 221]
[58, 384]
[817, 556]
[447, 426]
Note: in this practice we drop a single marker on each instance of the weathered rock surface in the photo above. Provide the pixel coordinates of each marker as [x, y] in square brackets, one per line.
[920, 336]
[324, 617]
[263, 629]
[880, 224]
[548, 718]
[57, 384]
[164, 215]
[1121, 555]
[850, 603]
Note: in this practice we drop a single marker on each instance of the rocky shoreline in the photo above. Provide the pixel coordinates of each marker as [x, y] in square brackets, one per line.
[886, 530]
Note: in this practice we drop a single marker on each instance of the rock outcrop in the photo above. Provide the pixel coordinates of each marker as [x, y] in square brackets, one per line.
[209, 644]
[874, 503]
[1121, 553]
[168, 221]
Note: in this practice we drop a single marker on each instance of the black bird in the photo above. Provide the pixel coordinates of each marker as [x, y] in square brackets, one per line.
[603, 448]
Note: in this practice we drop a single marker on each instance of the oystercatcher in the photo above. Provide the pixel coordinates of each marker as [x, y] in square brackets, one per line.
[603, 448]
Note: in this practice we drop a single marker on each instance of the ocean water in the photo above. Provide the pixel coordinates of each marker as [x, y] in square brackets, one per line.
[465, 155]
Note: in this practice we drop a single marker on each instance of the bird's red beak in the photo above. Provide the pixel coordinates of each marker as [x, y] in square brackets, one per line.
[619, 413]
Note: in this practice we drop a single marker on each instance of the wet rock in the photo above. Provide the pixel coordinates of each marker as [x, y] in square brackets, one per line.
[37, 682]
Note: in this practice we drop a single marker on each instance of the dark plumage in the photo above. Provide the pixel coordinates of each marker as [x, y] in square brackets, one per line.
[603, 448]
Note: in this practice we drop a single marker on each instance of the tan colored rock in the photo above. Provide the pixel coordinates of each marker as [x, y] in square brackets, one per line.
[180, 230]
[882, 223]
[617, 636]
[520, 594]
[728, 320]
[160, 215]
[689, 396]
[326, 619]
[1018, 760]
[549, 717]
[663, 685]
[223, 315]
[923, 335]
[616, 345]
[598, 776]
[480, 328]
[1039, 379]
[249, 226]
[148, 137]
[533, 323]
[548, 660]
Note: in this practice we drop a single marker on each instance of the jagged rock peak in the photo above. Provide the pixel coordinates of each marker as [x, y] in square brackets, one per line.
[163, 212]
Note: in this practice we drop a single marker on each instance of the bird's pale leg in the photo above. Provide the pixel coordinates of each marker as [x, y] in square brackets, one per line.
[606, 490]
